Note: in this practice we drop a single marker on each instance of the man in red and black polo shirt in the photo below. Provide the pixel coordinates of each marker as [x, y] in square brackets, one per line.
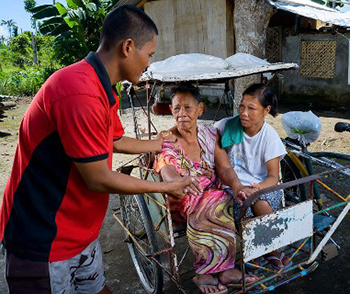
[57, 194]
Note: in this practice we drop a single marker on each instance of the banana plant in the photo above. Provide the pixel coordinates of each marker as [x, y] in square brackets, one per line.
[78, 23]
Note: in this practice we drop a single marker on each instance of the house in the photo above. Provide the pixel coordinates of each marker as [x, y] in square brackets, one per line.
[189, 26]
[317, 39]
[300, 31]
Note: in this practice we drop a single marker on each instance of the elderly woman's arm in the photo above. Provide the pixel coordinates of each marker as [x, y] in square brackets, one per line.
[170, 174]
[227, 174]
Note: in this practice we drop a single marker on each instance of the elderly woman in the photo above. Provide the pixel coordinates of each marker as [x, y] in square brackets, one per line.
[206, 209]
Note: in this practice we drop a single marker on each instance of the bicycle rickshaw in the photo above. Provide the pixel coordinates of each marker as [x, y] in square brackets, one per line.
[302, 228]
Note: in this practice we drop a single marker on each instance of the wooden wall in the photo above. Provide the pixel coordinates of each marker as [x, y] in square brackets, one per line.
[191, 26]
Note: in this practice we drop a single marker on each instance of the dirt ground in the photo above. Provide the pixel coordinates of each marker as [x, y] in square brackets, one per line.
[331, 277]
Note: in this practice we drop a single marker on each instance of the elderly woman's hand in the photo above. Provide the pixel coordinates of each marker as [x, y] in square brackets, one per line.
[193, 188]
[208, 173]
[186, 185]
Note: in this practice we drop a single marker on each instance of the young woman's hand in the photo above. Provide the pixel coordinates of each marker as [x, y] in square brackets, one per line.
[243, 192]
[240, 197]
[255, 185]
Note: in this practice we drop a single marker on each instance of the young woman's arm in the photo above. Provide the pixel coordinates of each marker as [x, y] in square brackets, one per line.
[227, 174]
[273, 167]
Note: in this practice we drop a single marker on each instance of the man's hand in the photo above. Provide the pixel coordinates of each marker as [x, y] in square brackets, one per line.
[178, 189]
[163, 135]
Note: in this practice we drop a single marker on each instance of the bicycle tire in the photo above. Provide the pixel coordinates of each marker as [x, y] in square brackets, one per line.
[290, 172]
[136, 218]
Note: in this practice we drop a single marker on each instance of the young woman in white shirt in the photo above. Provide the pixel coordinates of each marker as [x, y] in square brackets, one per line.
[255, 150]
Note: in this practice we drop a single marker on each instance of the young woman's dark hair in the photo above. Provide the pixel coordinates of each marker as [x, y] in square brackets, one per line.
[125, 22]
[186, 88]
[264, 95]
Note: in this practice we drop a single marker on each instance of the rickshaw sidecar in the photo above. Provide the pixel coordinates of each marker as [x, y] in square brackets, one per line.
[151, 232]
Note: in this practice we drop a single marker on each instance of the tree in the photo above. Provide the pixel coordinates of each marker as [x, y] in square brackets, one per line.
[15, 31]
[76, 27]
[28, 5]
[2, 40]
[9, 23]
[250, 34]
[19, 49]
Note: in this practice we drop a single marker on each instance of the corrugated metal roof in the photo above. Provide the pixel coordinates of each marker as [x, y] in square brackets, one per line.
[313, 10]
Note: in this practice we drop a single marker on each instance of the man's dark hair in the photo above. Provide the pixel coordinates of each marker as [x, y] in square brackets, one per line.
[125, 22]
[186, 88]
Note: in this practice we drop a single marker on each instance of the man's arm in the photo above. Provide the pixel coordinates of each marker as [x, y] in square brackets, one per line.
[135, 146]
[98, 177]
[170, 174]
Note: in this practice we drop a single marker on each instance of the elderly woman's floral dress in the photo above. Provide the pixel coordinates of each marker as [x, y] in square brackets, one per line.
[210, 224]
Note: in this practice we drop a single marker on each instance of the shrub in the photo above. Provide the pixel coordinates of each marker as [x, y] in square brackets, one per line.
[24, 82]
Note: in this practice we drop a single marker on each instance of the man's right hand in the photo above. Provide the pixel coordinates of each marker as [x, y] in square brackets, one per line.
[186, 185]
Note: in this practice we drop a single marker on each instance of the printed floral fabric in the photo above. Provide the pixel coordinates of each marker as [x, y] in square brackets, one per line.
[209, 216]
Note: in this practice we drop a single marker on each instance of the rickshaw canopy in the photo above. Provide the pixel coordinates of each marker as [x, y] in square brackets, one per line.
[202, 67]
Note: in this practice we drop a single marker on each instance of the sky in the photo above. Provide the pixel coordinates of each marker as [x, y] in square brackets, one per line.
[14, 9]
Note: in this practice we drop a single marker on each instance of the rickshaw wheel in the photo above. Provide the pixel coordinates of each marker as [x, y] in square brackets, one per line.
[136, 218]
[290, 172]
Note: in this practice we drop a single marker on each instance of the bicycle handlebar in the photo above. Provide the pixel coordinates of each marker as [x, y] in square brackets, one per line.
[254, 196]
[341, 127]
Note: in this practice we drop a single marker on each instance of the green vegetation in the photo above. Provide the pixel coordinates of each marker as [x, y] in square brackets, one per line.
[300, 131]
[65, 33]
[18, 75]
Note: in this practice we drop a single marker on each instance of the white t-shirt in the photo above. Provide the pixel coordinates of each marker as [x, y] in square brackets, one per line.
[249, 157]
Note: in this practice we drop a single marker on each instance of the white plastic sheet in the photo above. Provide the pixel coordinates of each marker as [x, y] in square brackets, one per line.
[197, 66]
[244, 60]
[192, 62]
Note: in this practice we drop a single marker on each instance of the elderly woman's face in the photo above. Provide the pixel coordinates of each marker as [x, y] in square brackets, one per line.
[186, 110]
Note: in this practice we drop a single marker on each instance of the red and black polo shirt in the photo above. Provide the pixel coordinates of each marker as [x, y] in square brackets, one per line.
[48, 214]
